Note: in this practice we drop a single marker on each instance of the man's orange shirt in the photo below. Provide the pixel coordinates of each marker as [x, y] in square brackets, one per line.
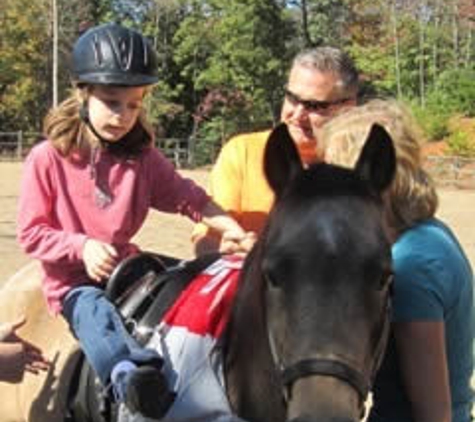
[238, 184]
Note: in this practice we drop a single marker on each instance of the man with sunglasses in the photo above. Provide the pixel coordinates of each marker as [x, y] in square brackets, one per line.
[321, 82]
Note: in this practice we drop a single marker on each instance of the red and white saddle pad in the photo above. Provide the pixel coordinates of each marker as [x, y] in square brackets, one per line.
[186, 338]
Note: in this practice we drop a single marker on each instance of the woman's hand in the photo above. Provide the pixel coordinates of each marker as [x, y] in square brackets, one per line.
[18, 356]
[100, 259]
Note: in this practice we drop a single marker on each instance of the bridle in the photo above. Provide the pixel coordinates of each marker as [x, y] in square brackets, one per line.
[327, 367]
[333, 367]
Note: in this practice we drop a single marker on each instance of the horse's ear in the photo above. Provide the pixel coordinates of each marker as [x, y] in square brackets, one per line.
[377, 161]
[281, 159]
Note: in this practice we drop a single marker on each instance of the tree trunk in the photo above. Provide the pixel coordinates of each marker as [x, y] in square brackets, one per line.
[455, 33]
[421, 59]
[397, 65]
[54, 8]
[305, 31]
[435, 46]
[468, 55]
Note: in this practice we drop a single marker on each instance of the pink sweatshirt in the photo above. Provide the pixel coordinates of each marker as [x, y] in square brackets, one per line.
[63, 202]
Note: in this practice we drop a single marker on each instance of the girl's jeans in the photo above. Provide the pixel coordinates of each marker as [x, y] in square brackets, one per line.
[98, 326]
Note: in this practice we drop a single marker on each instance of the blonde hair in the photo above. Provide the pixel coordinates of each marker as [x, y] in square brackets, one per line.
[69, 134]
[412, 196]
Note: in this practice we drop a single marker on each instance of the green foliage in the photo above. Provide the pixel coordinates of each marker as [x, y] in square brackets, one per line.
[433, 121]
[328, 21]
[376, 65]
[26, 55]
[455, 89]
[208, 141]
[194, 42]
[232, 49]
[23, 64]
[459, 143]
[453, 93]
[223, 63]
[220, 115]
[249, 54]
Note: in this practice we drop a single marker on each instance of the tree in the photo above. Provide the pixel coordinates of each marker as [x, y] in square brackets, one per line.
[237, 49]
[24, 87]
[322, 22]
[223, 63]
[251, 55]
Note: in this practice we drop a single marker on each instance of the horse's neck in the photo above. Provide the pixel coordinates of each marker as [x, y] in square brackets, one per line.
[252, 382]
[249, 382]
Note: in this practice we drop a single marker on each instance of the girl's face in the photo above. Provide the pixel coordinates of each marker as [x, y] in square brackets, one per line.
[113, 111]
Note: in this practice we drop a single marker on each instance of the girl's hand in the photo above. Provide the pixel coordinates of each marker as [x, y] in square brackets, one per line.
[100, 259]
[18, 356]
[237, 242]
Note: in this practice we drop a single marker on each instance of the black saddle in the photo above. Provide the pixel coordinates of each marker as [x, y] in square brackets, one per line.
[143, 287]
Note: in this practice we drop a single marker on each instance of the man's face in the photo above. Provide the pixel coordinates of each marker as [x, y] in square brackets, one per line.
[311, 99]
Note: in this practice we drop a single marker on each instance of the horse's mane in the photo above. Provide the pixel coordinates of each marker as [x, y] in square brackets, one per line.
[245, 349]
[248, 297]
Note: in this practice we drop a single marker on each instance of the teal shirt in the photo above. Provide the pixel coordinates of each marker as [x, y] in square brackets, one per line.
[433, 282]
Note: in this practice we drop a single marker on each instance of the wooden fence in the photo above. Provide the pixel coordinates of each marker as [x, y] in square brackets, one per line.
[452, 171]
[446, 170]
[15, 145]
[177, 150]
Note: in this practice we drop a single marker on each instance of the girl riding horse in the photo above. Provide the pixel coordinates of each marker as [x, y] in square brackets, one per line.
[87, 190]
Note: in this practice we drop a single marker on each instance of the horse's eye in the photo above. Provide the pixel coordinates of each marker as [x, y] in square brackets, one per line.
[270, 279]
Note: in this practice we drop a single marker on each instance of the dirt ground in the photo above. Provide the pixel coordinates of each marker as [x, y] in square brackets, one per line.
[170, 234]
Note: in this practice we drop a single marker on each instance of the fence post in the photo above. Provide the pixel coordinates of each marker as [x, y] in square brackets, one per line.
[191, 147]
[19, 149]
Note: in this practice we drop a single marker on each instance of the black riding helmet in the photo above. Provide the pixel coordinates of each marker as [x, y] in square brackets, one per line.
[111, 54]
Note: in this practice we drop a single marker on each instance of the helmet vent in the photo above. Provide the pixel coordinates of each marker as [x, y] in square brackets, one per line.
[145, 54]
[123, 50]
[97, 51]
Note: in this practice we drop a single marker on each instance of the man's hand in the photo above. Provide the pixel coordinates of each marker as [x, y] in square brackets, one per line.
[18, 356]
[237, 242]
[100, 259]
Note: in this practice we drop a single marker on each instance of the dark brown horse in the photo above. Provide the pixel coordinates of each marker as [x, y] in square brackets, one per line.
[309, 322]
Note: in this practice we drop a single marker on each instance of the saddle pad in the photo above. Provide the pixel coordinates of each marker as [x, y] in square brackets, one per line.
[203, 307]
[186, 339]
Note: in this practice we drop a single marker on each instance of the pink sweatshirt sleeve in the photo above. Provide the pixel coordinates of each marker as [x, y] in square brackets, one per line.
[173, 193]
[38, 232]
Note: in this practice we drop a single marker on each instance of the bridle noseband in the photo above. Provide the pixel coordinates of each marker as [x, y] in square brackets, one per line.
[333, 367]
[327, 367]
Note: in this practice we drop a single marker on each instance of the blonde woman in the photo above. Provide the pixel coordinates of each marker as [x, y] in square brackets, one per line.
[425, 376]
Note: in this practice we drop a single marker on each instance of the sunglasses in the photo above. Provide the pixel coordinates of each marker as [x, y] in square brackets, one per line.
[312, 105]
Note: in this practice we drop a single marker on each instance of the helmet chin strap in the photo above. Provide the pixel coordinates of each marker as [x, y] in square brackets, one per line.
[84, 116]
